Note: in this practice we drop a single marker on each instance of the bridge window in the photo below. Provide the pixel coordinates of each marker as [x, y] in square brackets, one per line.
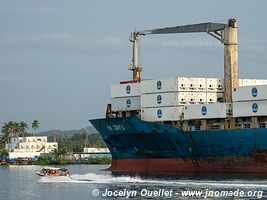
[197, 128]
[262, 125]
[246, 126]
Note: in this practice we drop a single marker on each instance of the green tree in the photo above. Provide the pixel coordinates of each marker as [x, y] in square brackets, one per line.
[13, 128]
[35, 124]
[3, 152]
[59, 155]
[22, 128]
[5, 134]
[9, 130]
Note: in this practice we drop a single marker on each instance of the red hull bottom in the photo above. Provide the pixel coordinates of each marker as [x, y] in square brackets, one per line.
[172, 165]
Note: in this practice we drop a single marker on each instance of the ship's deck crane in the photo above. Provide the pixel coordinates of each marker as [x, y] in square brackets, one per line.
[226, 33]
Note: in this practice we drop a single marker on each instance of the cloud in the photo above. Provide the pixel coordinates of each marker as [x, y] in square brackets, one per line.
[65, 43]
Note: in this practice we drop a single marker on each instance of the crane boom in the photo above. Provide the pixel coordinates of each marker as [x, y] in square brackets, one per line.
[193, 28]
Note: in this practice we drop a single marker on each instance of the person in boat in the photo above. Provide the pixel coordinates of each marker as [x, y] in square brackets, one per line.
[53, 172]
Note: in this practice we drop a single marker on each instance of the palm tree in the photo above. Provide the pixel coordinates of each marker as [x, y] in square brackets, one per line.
[22, 128]
[4, 138]
[17, 129]
[5, 134]
[35, 124]
[9, 130]
[13, 128]
[59, 155]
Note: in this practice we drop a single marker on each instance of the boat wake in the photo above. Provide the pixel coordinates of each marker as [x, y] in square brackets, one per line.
[93, 178]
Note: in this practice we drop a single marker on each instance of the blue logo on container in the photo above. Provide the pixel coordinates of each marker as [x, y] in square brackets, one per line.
[254, 107]
[128, 103]
[128, 89]
[159, 99]
[254, 92]
[204, 110]
[159, 85]
[159, 113]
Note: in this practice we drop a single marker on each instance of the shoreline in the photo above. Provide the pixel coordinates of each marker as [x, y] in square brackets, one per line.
[90, 161]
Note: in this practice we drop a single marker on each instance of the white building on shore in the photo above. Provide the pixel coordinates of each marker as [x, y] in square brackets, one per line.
[95, 150]
[29, 147]
[90, 152]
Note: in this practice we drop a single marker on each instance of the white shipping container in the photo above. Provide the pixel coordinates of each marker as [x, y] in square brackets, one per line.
[192, 97]
[215, 97]
[251, 82]
[250, 108]
[220, 85]
[215, 85]
[205, 111]
[164, 85]
[201, 97]
[125, 90]
[126, 103]
[250, 93]
[240, 82]
[260, 82]
[212, 84]
[201, 84]
[162, 113]
[163, 99]
[220, 97]
[182, 83]
[192, 84]
[211, 97]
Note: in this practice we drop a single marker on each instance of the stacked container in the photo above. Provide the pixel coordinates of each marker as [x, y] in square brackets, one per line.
[126, 97]
[168, 113]
[201, 97]
[164, 99]
[125, 90]
[201, 84]
[250, 101]
[193, 84]
[212, 84]
[251, 82]
[205, 111]
[176, 84]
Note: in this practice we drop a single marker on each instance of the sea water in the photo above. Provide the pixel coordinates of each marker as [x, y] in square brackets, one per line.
[92, 182]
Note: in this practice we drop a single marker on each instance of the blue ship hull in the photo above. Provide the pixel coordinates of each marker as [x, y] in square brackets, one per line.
[149, 147]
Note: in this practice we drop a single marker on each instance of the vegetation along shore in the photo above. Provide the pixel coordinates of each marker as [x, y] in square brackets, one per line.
[69, 143]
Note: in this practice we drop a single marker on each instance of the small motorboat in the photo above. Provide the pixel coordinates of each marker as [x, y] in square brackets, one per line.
[52, 171]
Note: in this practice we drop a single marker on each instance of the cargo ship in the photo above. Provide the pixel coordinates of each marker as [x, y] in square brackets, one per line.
[187, 124]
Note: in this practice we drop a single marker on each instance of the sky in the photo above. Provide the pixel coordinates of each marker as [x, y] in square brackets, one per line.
[58, 58]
